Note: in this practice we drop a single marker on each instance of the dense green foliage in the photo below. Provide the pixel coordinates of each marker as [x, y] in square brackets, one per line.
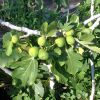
[69, 64]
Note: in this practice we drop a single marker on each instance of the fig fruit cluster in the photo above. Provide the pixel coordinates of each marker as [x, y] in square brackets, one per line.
[60, 41]
[41, 53]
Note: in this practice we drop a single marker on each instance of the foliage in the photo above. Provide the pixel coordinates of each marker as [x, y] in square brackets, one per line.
[71, 69]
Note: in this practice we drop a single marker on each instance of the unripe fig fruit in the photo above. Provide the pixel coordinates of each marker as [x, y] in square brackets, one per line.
[41, 41]
[33, 51]
[70, 40]
[69, 33]
[43, 55]
[60, 42]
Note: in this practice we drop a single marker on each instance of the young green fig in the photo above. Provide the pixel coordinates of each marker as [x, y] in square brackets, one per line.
[41, 41]
[43, 54]
[33, 51]
[60, 42]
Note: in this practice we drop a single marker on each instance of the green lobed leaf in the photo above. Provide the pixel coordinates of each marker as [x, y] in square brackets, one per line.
[67, 27]
[74, 19]
[43, 68]
[60, 73]
[98, 63]
[86, 30]
[9, 48]
[26, 71]
[52, 26]
[73, 63]
[18, 97]
[52, 32]
[6, 61]
[39, 90]
[44, 28]
[3, 60]
[7, 43]
[87, 37]
[6, 39]
[62, 59]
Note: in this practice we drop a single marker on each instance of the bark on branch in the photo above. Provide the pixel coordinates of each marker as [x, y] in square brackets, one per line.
[91, 59]
[97, 22]
[91, 19]
[21, 29]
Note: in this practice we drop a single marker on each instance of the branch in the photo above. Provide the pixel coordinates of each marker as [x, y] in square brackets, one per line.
[93, 80]
[95, 24]
[21, 29]
[92, 7]
[91, 18]
[7, 71]
[52, 82]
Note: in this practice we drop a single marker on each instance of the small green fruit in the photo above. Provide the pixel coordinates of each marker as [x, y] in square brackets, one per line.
[33, 51]
[41, 41]
[14, 39]
[43, 55]
[60, 42]
[69, 33]
[70, 40]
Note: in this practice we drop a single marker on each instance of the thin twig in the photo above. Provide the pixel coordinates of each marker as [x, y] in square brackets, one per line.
[91, 18]
[21, 29]
[95, 24]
